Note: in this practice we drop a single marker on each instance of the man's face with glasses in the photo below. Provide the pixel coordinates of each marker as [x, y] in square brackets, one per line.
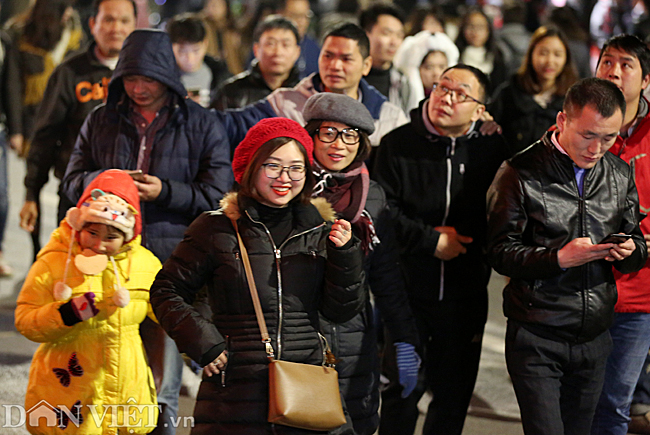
[336, 145]
[455, 102]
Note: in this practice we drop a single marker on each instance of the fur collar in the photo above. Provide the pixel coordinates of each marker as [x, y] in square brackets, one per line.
[230, 207]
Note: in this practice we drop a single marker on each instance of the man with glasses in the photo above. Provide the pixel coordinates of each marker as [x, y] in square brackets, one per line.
[435, 171]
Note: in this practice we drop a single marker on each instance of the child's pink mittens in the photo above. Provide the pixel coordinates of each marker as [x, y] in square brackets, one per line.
[84, 306]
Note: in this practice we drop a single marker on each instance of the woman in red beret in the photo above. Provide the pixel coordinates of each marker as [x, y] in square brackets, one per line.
[304, 261]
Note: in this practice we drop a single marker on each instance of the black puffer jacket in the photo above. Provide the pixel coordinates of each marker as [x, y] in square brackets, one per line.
[190, 153]
[522, 119]
[355, 342]
[534, 209]
[433, 181]
[312, 276]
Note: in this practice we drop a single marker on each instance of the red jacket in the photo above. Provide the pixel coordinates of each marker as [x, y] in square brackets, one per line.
[633, 290]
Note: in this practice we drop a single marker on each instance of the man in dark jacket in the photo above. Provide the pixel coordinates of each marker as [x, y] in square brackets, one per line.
[550, 211]
[435, 171]
[177, 150]
[74, 89]
[276, 50]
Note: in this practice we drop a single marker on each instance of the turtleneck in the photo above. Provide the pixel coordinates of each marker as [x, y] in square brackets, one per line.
[278, 220]
[380, 79]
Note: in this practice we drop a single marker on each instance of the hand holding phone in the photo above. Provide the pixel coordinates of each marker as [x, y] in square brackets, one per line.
[137, 174]
[616, 238]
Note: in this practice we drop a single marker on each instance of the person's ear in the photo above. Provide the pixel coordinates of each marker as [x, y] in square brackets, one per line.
[367, 65]
[560, 121]
[256, 49]
[478, 112]
[645, 82]
[91, 24]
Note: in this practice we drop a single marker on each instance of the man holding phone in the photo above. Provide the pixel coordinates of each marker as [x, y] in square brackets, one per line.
[625, 61]
[178, 154]
[548, 209]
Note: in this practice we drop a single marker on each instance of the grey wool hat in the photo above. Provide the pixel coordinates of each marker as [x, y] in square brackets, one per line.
[328, 106]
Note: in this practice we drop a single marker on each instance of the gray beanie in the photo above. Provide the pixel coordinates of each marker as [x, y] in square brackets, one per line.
[328, 106]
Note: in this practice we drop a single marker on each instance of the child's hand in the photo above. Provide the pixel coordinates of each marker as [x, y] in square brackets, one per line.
[341, 232]
[84, 306]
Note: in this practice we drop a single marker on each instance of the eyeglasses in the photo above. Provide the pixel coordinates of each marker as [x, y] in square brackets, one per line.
[457, 95]
[349, 136]
[275, 170]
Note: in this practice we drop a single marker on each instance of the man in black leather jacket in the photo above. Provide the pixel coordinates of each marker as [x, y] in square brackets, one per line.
[549, 210]
[276, 50]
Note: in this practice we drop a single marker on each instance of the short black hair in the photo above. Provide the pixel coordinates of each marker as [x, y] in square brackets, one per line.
[370, 15]
[354, 32]
[96, 4]
[600, 94]
[272, 22]
[631, 45]
[186, 28]
[481, 77]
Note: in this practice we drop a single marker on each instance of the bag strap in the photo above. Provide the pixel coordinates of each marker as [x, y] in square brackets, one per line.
[254, 295]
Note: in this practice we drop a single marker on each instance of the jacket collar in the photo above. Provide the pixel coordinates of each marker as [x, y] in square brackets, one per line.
[370, 97]
[306, 216]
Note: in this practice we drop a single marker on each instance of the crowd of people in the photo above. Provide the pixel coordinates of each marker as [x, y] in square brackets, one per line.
[374, 176]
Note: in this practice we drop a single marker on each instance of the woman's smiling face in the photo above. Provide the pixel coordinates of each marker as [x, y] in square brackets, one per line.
[278, 192]
[337, 155]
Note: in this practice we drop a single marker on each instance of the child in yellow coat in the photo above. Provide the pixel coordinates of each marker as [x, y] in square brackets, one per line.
[84, 299]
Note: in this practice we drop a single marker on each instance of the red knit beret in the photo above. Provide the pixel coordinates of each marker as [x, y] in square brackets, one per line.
[264, 131]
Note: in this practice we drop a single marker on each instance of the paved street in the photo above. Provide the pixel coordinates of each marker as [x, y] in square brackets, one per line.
[493, 411]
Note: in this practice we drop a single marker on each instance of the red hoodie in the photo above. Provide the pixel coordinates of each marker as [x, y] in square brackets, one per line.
[634, 288]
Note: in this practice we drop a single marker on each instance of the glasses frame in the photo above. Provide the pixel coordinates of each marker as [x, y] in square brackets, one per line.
[454, 94]
[339, 133]
[283, 169]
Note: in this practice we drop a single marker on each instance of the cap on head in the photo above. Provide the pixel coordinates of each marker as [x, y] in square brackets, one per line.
[110, 199]
[264, 131]
[328, 106]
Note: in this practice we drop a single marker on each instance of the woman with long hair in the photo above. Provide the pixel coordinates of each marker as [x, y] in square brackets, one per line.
[526, 106]
[477, 45]
[50, 31]
[340, 126]
[304, 262]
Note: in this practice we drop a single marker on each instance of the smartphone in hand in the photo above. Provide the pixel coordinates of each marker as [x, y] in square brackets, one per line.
[616, 238]
[137, 174]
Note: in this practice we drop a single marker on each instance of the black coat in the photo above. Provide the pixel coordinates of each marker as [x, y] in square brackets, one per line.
[309, 276]
[190, 153]
[246, 88]
[523, 121]
[413, 166]
[534, 209]
[355, 342]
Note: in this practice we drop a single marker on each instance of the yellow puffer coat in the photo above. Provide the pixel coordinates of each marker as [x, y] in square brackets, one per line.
[102, 359]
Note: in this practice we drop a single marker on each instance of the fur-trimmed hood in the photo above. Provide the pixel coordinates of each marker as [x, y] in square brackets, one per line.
[230, 207]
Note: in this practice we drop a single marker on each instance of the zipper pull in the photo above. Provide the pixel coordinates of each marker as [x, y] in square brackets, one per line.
[277, 253]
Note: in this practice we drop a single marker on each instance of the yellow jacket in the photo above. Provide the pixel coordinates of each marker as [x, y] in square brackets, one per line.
[103, 358]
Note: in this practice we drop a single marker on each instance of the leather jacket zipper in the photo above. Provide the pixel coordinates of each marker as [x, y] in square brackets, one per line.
[278, 256]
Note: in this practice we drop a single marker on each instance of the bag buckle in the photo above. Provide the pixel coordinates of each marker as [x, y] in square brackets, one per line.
[270, 354]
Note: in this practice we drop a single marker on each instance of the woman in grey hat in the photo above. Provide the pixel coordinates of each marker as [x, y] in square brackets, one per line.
[340, 126]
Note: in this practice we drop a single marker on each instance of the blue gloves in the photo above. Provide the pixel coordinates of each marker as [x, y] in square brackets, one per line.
[408, 365]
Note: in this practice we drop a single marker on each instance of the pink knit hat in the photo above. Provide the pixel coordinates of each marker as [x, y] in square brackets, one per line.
[264, 131]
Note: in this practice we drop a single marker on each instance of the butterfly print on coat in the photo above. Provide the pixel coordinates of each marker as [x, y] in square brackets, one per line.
[74, 369]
